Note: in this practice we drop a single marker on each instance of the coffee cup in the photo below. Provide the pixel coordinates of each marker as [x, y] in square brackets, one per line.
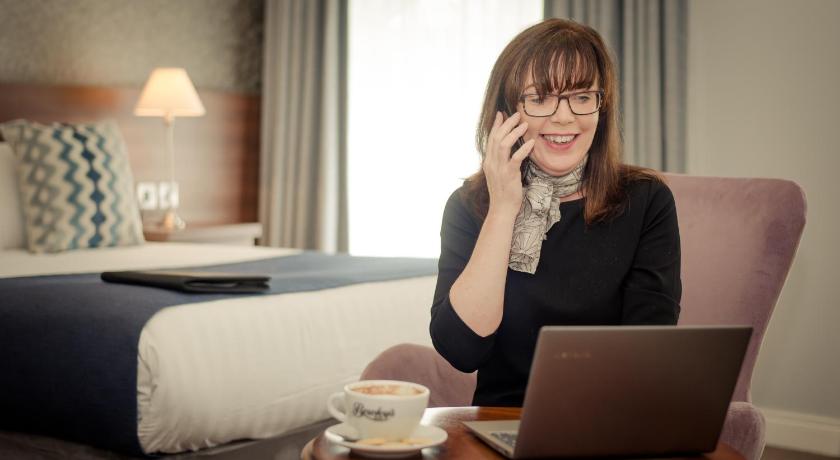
[386, 409]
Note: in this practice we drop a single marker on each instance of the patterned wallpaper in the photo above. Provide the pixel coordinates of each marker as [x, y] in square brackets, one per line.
[118, 42]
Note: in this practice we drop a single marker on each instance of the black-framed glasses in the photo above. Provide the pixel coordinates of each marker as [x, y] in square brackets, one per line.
[580, 103]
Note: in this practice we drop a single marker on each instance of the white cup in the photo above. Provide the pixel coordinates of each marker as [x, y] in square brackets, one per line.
[388, 409]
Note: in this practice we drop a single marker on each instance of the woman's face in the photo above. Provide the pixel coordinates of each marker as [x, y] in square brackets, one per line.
[562, 139]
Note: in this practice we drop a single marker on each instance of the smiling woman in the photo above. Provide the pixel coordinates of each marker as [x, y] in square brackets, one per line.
[416, 74]
[552, 230]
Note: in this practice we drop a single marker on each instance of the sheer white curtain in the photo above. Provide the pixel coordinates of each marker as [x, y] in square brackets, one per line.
[417, 73]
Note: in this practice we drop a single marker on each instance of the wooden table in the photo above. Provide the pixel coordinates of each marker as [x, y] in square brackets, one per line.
[461, 444]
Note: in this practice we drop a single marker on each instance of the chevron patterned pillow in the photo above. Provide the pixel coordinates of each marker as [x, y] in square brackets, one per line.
[75, 185]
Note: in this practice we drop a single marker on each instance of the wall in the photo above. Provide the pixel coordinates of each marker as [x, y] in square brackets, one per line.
[118, 42]
[763, 101]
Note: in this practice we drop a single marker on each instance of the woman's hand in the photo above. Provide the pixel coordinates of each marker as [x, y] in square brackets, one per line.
[478, 294]
[504, 179]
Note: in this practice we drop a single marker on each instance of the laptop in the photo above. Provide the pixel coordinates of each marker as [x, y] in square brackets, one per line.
[629, 391]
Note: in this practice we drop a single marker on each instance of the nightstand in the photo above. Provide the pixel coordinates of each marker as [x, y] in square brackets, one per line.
[244, 234]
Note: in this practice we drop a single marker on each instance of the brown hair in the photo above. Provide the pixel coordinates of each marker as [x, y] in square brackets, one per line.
[560, 55]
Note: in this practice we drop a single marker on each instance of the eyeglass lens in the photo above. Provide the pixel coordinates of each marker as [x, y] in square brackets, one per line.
[544, 106]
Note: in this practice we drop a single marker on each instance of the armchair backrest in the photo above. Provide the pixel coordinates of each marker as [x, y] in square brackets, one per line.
[738, 238]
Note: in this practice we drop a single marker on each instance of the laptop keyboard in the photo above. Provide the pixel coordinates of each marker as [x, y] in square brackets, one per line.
[506, 437]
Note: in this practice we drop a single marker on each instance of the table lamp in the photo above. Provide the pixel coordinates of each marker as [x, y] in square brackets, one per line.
[169, 93]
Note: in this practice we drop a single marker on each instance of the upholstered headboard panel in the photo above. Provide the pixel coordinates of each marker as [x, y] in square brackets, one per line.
[11, 217]
[217, 155]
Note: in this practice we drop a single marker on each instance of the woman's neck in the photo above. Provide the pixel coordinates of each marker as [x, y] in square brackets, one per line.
[574, 196]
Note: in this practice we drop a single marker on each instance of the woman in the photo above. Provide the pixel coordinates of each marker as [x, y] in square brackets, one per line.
[553, 230]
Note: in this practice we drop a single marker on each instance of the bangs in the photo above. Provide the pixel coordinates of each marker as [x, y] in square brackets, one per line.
[565, 63]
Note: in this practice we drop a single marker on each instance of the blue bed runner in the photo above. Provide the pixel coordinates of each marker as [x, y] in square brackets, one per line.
[68, 343]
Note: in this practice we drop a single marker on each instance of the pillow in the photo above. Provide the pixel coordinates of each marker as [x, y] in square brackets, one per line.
[75, 185]
[11, 217]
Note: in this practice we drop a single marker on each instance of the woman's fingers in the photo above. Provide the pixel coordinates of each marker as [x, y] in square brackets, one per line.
[508, 125]
[494, 131]
[521, 153]
[502, 128]
[511, 137]
[497, 121]
[500, 166]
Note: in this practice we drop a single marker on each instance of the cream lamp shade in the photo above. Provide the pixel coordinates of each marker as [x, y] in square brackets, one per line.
[169, 93]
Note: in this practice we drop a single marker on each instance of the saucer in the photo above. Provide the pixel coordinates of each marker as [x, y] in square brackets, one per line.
[433, 434]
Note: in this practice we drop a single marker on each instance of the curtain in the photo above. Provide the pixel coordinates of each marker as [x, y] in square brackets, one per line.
[303, 199]
[648, 38]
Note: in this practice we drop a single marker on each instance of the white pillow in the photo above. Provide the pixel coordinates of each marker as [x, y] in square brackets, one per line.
[11, 215]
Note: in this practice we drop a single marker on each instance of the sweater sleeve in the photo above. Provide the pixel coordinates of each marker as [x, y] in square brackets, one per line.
[452, 338]
[652, 288]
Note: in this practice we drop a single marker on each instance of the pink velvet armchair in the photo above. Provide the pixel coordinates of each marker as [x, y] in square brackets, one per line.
[738, 236]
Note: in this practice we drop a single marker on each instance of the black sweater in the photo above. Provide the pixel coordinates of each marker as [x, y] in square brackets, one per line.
[624, 271]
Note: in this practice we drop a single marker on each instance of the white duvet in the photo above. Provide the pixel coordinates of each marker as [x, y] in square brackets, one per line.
[252, 367]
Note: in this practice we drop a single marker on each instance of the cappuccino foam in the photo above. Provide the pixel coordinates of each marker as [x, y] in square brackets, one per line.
[391, 390]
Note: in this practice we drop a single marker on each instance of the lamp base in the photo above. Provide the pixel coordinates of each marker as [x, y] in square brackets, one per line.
[172, 221]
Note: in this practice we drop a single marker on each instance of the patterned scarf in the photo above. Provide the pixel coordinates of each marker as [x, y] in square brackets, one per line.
[539, 212]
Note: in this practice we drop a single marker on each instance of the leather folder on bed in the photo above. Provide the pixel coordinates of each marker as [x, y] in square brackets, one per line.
[192, 281]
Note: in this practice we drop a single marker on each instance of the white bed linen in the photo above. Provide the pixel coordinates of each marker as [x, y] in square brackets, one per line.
[251, 367]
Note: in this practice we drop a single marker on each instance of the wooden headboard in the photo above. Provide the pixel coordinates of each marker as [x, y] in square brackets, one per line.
[217, 155]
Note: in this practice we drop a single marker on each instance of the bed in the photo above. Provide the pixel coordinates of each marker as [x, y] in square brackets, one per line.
[214, 376]
[245, 367]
